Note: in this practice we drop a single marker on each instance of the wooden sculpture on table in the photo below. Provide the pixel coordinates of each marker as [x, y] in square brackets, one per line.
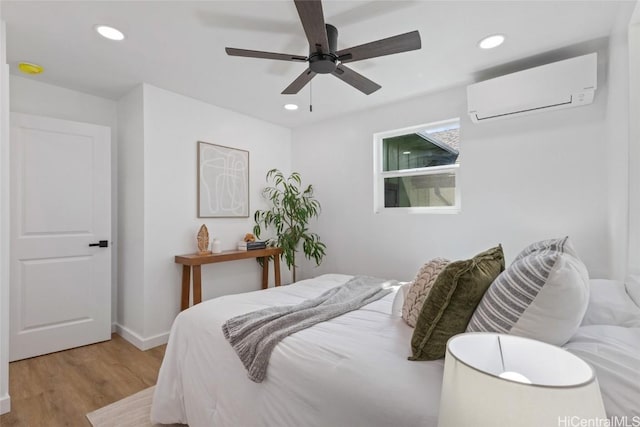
[203, 241]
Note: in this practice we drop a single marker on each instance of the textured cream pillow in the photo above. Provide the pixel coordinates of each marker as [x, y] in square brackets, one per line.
[419, 289]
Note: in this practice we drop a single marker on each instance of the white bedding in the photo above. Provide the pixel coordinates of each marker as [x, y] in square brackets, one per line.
[609, 340]
[349, 371]
[614, 353]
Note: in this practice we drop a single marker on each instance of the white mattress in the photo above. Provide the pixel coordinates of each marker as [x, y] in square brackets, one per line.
[349, 371]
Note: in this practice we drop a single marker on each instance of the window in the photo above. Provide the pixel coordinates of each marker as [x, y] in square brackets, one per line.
[416, 169]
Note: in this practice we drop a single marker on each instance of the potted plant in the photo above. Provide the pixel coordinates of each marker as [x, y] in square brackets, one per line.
[291, 209]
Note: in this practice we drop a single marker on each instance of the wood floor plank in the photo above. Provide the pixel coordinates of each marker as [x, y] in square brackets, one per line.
[59, 389]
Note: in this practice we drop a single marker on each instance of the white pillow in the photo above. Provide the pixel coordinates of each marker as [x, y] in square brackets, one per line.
[542, 295]
[398, 300]
[633, 288]
[609, 304]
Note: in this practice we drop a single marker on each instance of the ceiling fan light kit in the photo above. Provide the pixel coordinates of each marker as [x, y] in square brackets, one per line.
[324, 58]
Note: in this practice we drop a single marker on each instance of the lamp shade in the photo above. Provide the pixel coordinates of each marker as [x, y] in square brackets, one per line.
[495, 380]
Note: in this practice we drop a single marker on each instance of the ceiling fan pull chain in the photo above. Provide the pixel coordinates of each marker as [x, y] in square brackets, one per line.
[311, 97]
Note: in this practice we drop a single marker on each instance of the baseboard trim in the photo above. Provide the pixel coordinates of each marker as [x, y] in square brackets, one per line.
[140, 342]
[5, 404]
[114, 328]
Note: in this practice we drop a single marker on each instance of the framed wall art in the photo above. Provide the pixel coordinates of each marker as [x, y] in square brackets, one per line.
[223, 181]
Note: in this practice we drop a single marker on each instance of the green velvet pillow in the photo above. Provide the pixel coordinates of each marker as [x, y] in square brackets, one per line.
[447, 310]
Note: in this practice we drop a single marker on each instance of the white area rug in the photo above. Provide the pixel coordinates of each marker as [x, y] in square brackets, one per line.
[132, 411]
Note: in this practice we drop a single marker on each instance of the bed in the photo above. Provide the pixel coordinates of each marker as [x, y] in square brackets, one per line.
[352, 370]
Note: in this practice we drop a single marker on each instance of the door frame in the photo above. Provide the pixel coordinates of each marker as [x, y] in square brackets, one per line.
[5, 398]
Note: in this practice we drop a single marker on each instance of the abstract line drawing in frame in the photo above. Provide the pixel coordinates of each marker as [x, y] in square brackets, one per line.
[223, 181]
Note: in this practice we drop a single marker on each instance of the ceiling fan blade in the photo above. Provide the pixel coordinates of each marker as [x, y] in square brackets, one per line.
[299, 82]
[264, 55]
[356, 80]
[396, 44]
[312, 18]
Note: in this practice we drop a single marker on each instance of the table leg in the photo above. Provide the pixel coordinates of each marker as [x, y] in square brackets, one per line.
[276, 268]
[186, 285]
[265, 272]
[197, 285]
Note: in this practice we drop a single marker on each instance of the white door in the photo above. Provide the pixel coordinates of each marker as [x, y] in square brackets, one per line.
[60, 204]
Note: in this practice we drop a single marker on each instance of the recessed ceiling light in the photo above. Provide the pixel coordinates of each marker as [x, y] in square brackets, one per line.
[492, 41]
[290, 107]
[29, 68]
[109, 32]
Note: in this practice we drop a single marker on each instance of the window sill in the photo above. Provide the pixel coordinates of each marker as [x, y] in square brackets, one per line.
[449, 210]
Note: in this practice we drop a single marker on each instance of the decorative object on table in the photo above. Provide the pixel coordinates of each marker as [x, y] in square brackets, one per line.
[251, 246]
[292, 207]
[203, 240]
[242, 244]
[216, 246]
[223, 181]
[503, 380]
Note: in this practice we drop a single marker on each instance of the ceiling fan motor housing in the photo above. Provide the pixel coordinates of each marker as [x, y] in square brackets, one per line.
[325, 63]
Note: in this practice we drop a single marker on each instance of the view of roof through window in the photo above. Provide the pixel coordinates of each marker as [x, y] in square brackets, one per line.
[448, 138]
[425, 148]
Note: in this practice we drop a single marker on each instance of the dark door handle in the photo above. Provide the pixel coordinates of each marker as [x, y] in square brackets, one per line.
[101, 244]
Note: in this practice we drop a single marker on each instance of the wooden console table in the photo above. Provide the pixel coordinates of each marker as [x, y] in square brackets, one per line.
[194, 261]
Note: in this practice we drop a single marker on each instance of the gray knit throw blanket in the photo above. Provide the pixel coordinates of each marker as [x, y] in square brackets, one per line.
[254, 335]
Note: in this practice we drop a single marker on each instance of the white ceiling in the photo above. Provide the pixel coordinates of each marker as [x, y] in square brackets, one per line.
[179, 46]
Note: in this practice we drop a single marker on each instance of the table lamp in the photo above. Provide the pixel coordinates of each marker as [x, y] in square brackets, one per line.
[495, 380]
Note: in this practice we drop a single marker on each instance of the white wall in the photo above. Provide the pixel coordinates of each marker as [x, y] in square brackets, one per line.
[617, 142]
[521, 179]
[634, 143]
[5, 400]
[172, 126]
[32, 97]
[131, 208]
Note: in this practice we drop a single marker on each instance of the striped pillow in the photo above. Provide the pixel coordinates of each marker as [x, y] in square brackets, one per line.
[542, 295]
[560, 245]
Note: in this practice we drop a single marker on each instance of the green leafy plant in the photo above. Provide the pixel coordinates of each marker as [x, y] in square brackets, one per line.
[291, 209]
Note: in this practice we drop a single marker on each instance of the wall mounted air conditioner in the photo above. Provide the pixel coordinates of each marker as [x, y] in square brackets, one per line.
[563, 84]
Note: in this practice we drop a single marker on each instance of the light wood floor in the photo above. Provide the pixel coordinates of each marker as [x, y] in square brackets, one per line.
[59, 389]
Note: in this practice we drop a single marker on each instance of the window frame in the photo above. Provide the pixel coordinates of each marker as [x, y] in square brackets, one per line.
[379, 174]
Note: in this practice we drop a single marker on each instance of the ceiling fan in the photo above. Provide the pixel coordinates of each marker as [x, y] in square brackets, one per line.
[325, 59]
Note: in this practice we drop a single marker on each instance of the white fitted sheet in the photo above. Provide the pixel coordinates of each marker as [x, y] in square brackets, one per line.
[349, 371]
